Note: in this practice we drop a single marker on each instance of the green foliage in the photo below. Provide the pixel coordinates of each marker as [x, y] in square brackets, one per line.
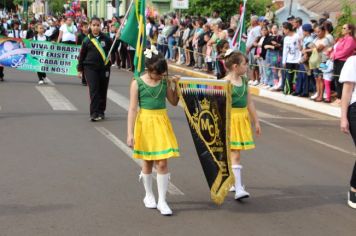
[345, 16]
[227, 8]
[56, 6]
[21, 2]
[9, 4]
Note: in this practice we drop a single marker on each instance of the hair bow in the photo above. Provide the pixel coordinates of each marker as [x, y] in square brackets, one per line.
[148, 52]
[228, 52]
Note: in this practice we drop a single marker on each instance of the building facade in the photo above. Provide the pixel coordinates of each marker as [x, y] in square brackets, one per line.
[104, 8]
[162, 6]
[308, 9]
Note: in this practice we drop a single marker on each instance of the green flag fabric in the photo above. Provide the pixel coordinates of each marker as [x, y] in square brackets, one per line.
[243, 36]
[134, 33]
[130, 31]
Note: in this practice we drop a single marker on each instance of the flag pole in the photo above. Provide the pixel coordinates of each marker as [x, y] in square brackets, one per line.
[121, 27]
[242, 22]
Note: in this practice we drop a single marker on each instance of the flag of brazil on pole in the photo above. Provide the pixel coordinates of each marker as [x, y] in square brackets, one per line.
[134, 33]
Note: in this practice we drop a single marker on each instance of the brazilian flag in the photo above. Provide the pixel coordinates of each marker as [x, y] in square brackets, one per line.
[134, 33]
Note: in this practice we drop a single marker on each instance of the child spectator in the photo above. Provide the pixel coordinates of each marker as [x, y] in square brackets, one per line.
[327, 68]
[221, 47]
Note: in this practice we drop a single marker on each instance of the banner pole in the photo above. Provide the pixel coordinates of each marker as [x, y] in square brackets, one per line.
[121, 27]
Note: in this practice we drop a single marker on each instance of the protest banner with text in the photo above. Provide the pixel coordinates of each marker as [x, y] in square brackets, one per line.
[39, 56]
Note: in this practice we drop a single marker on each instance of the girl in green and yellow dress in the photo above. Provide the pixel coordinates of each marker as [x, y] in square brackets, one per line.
[242, 109]
[150, 132]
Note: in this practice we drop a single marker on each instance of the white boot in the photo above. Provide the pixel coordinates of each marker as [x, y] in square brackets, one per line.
[162, 185]
[149, 200]
[240, 192]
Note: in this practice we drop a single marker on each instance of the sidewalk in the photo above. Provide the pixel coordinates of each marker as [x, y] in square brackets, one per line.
[305, 103]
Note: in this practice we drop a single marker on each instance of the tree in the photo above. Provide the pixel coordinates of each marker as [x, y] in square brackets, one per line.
[345, 17]
[21, 2]
[227, 8]
[9, 4]
[56, 6]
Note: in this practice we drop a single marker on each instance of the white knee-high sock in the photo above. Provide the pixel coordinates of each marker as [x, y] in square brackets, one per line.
[147, 183]
[236, 169]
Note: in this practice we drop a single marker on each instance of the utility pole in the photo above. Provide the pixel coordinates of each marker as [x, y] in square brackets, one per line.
[46, 8]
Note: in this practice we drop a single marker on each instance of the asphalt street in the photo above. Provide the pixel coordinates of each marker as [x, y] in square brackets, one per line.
[61, 174]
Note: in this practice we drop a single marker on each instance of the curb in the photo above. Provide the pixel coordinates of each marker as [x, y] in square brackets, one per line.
[191, 73]
[279, 97]
[299, 102]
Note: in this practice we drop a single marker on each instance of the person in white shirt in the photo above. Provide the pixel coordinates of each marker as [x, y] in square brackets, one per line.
[148, 28]
[291, 56]
[15, 32]
[68, 32]
[251, 44]
[41, 37]
[348, 114]
[298, 27]
[215, 18]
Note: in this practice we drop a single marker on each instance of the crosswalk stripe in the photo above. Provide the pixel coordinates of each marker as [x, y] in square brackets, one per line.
[50, 82]
[118, 99]
[172, 189]
[56, 100]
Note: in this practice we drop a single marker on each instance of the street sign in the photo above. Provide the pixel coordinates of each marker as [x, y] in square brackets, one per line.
[180, 4]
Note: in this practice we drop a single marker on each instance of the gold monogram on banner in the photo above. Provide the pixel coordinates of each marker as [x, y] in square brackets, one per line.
[207, 105]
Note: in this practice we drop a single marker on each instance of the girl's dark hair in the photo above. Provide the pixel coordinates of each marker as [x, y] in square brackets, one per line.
[265, 28]
[288, 26]
[321, 21]
[235, 58]
[220, 45]
[328, 26]
[95, 19]
[221, 25]
[151, 20]
[321, 27]
[157, 63]
[200, 22]
[91, 21]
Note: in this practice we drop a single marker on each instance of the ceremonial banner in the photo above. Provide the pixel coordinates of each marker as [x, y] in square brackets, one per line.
[38, 56]
[207, 105]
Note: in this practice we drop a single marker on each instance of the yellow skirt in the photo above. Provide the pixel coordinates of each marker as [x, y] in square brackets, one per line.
[241, 132]
[154, 136]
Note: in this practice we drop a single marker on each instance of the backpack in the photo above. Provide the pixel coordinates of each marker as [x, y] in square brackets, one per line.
[314, 60]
